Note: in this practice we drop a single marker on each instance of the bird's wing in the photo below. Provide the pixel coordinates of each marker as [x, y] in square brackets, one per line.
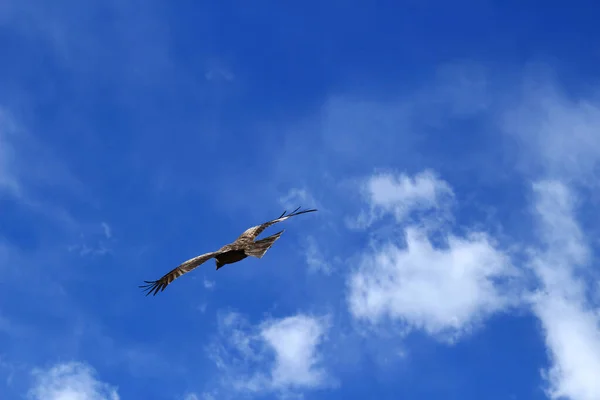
[251, 233]
[160, 284]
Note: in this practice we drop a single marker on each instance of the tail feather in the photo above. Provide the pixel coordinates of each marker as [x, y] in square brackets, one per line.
[260, 247]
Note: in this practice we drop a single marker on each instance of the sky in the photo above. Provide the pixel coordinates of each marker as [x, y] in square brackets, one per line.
[451, 148]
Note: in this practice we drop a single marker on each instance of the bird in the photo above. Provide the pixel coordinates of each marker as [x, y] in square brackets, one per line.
[244, 246]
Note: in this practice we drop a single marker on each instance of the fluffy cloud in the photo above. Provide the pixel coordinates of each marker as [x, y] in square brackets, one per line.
[402, 194]
[440, 290]
[294, 341]
[70, 381]
[571, 325]
[280, 355]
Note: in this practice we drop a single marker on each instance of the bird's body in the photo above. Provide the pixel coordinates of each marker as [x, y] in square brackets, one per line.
[230, 257]
[244, 246]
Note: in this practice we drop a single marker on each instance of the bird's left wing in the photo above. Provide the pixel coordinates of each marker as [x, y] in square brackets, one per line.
[160, 284]
[251, 233]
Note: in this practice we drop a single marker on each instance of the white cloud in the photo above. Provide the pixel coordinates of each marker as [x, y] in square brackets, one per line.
[294, 341]
[402, 194]
[70, 381]
[572, 332]
[571, 325]
[278, 355]
[439, 290]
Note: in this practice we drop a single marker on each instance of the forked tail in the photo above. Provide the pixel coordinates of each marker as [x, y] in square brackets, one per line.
[260, 247]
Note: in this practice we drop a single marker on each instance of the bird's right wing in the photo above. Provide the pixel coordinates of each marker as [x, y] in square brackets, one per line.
[160, 284]
[251, 233]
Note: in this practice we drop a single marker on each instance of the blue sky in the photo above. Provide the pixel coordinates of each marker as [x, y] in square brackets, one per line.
[451, 149]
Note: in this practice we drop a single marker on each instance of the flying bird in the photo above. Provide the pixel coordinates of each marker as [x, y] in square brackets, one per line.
[245, 245]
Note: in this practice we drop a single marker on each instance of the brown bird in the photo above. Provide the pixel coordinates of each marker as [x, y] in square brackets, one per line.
[245, 245]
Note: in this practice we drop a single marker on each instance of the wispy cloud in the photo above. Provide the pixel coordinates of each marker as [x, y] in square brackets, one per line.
[31, 181]
[571, 324]
[34, 182]
[296, 197]
[209, 284]
[214, 74]
[314, 257]
[8, 174]
[94, 244]
[202, 307]
[107, 230]
[71, 380]
[83, 45]
[85, 250]
[556, 134]
[560, 150]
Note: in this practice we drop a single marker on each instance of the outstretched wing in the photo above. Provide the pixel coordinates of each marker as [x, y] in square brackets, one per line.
[251, 233]
[160, 285]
